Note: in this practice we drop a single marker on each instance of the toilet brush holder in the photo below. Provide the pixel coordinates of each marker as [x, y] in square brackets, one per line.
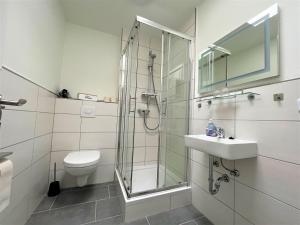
[54, 188]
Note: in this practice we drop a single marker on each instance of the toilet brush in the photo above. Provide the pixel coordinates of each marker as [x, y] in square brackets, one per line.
[54, 188]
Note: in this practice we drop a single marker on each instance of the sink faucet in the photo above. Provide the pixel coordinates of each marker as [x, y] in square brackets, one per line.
[220, 132]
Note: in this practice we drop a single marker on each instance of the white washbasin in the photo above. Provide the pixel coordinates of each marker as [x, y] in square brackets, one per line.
[222, 147]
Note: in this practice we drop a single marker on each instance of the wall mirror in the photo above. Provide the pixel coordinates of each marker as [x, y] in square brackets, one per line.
[247, 54]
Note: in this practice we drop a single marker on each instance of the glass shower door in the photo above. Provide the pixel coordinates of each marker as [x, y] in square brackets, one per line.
[175, 111]
[131, 113]
[127, 114]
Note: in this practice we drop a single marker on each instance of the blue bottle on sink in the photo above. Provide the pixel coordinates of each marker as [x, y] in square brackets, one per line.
[211, 129]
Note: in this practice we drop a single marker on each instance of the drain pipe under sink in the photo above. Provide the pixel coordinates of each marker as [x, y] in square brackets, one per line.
[214, 188]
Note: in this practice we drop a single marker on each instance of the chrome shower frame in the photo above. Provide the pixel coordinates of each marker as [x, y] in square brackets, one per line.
[138, 21]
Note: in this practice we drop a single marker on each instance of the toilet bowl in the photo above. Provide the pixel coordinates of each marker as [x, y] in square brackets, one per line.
[81, 164]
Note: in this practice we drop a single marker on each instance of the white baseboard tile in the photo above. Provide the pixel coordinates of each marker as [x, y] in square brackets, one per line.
[180, 199]
[147, 207]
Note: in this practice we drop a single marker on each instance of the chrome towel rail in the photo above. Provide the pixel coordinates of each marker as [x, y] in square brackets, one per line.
[20, 102]
[3, 103]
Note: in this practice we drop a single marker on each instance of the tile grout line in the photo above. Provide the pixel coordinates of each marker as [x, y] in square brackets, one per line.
[271, 196]
[67, 206]
[189, 221]
[53, 203]
[43, 211]
[26, 140]
[192, 220]
[108, 191]
[107, 218]
[96, 210]
[81, 203]
[147, 220]
[250, 222]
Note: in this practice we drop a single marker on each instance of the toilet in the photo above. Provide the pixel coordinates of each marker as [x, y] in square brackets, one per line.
[81, 164]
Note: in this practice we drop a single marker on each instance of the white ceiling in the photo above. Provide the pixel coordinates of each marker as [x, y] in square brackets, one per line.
[111, 15]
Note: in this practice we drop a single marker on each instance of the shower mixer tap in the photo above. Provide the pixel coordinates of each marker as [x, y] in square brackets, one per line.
[144, 111]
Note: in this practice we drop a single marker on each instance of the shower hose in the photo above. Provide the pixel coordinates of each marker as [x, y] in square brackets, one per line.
[156, 102]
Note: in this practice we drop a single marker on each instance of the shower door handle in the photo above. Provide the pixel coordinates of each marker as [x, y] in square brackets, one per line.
[164, 107]
[131, 98]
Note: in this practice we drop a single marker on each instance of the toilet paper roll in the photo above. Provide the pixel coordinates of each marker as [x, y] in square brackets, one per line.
[6, 174]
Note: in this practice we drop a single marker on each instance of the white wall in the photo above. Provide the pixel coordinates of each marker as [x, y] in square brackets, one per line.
[266, 191]
[27, 132]
[34, 32]
[1, 28]
[90, 62]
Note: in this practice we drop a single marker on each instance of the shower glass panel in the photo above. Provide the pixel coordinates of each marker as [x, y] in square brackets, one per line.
[127, 110]
[175, 110]
[153, 110]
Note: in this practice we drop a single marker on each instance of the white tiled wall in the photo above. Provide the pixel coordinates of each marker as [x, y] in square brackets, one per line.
[27, 132]
[267, 190]
[71, 132]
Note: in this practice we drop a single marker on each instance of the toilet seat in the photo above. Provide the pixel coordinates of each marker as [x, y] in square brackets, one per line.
[82, 158]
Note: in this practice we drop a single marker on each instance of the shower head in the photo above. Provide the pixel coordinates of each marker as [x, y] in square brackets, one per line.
[151, 59]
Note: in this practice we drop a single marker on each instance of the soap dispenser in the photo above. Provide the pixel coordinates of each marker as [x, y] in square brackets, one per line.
[211, 129]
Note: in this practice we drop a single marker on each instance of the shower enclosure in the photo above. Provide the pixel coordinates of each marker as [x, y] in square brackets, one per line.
[155, 74]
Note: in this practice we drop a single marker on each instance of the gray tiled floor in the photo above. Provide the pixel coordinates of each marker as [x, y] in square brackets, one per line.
[100, 205]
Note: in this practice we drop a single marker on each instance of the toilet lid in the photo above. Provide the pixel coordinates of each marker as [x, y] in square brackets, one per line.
[82, 158]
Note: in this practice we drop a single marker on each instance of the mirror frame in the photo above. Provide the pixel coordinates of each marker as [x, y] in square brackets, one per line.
[258, 19]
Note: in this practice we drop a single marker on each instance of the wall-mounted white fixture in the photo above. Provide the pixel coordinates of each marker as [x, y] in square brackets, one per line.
[224, 148]
[81, 164]
[298, 103]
